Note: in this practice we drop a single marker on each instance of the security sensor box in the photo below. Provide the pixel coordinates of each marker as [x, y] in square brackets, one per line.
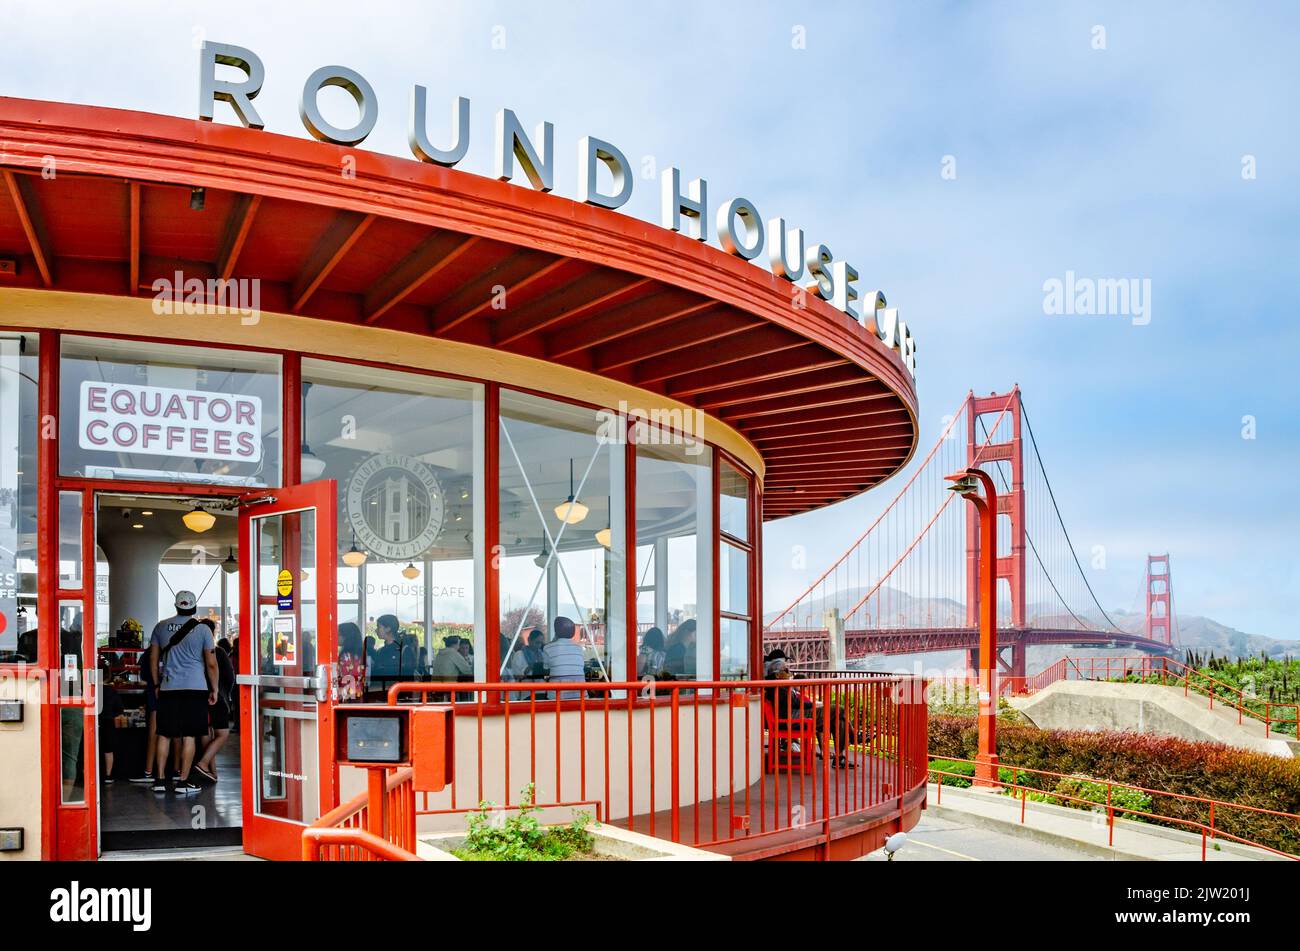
[422, 737]
[372, 735]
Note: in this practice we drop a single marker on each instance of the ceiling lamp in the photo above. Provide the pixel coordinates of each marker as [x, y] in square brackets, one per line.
[354, 557]
[605, 536]
[311, 466]
[571, 511]
[410, 571]
[197, 520]
[542, 560]
[231, 564]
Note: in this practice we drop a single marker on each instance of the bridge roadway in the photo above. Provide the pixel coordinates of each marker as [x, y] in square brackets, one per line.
[812, 646]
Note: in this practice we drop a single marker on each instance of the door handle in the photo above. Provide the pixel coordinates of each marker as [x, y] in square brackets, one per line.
[326, 690]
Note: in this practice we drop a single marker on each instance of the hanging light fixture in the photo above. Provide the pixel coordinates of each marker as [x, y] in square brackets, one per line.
[311, 466]
[197, 520]
[571, 511]
[605, 536]
[231, 564]
[541, 560]
[410, 571]
[354, 557]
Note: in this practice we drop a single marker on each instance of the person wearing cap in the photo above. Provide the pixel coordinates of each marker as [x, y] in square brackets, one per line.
[182, 659]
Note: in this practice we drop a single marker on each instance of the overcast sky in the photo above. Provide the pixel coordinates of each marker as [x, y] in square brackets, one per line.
[1117, 162]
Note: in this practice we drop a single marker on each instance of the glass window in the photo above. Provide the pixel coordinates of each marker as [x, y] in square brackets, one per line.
[733, 579]
[733, 649]
[562, 537]
[674, 533]
[18, 440]
[132, 410]
[733, 501]
[70, 540]
[72, 717]
[407, 451]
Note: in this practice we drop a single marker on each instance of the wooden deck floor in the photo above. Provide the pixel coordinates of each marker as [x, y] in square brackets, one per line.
[784, 811]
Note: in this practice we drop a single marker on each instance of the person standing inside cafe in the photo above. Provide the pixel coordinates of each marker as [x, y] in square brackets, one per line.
[183, 660]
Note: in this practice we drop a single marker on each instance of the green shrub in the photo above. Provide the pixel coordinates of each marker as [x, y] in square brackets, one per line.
[1166, 764]
[520, 837]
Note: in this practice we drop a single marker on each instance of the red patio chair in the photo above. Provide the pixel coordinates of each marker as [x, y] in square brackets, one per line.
[788, 729]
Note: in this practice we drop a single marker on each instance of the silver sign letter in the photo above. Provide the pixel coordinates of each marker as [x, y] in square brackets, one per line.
[239, 94]
[417, 134]
[591, 151]
[356, 85]
[513, 143]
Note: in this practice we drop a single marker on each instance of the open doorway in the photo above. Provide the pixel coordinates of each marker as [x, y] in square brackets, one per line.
[150, 552]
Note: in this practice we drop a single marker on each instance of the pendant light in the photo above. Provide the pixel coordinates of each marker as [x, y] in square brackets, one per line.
[410, 572]
[571, 511]
[354, 557]
[197, 520]
[311, 466]
[541, 560]
[605, 536]
[231, 564]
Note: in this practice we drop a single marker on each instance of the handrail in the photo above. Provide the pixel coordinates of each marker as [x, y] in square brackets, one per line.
[1111, 808]
[316, 838]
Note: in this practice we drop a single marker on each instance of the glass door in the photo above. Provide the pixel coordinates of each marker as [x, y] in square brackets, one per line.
[288, 647]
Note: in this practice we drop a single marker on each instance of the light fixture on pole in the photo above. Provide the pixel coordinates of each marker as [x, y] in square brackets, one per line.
[967, 484]
[354, 557]
[231, 564]
[410, 571]
[571, 511]
[198, 520]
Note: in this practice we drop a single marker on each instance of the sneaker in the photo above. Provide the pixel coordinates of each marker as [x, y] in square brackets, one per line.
[108, 780]
[208, 775]
[159, 786]
[145, 780]
[188, 787]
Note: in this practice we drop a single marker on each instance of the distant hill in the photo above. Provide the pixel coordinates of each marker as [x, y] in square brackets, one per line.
[1199, 633]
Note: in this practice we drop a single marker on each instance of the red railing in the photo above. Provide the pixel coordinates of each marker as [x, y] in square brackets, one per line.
[1211, 828]
[1166, 671]
[685, 760]
[376, 825]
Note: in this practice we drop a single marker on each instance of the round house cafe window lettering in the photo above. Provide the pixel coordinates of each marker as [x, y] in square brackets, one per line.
[395, 506]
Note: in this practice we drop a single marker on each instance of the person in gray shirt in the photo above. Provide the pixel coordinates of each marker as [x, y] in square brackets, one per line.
[183, 662]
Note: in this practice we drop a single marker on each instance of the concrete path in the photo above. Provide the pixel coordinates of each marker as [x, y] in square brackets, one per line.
[1146, 708]
[1082, 833]
[949, 839]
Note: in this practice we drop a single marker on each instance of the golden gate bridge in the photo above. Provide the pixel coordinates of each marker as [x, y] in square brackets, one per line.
[908, 584]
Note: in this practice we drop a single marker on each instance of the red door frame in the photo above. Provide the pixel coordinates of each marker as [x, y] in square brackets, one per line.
[265, 836]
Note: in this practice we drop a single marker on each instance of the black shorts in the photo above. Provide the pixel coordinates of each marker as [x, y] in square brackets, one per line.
[183, 713]
[219, 714]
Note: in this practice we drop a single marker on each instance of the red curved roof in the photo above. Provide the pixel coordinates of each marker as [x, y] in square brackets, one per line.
[417, 248]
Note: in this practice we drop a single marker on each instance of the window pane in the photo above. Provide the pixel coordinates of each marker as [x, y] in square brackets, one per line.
[407, 451]
[563, 537]
[72, 718]
[733, 579]
[18, 441]
[733, 501]
[733, 650]
[70, 540]
[674, 496]
[134, 410]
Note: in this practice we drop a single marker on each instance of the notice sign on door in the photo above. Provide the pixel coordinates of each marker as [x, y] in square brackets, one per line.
[284, 590]
[161, 421]
[284, 647]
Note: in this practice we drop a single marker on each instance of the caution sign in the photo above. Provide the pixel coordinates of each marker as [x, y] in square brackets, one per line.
[284, 588]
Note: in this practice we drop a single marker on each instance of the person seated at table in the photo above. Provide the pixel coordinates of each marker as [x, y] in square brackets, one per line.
[563, 658]
[650, 659]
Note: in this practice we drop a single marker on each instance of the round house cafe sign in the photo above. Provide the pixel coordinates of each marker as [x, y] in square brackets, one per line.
[395, 506]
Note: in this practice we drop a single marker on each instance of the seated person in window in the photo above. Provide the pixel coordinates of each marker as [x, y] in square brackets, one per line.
[650, 659]
[450, 663]
[679, 656]
[563, 657]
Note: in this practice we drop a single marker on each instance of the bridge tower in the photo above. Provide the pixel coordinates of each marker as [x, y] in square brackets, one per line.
[1011, 503]
[1160, 614]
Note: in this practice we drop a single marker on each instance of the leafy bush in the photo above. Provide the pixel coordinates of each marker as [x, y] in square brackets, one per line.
[520, 837]
[1166, 764]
